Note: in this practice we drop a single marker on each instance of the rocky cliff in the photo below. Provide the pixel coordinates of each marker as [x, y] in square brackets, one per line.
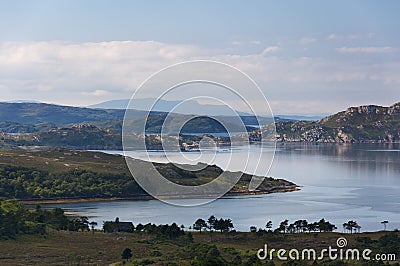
[363, 124]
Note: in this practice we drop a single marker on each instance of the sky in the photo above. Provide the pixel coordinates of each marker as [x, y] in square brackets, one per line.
[308, 57]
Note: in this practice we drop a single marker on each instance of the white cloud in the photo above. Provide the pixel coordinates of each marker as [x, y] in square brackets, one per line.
[332, 37]
[57, 71]
[240, 43]
[87, 73]
[270, 49]
[358, 36]
[369, 49]
[97, 93]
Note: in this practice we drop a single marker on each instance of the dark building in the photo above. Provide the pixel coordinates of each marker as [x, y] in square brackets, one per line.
[112, 227]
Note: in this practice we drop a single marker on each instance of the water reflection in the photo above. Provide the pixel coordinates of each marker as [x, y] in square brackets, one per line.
[340, 182]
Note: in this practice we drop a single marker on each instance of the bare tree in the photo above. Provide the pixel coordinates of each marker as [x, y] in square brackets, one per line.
[384, 224]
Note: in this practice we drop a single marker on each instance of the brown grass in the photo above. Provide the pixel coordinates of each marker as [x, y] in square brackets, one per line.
[72, 248]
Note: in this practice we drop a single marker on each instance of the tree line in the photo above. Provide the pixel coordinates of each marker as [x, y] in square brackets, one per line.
[303, 226]
[171, 232]
[222, 225]
[298, 226]
[16, 220]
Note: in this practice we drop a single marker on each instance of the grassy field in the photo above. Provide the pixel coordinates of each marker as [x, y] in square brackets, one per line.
[77, 248]
[64, 160]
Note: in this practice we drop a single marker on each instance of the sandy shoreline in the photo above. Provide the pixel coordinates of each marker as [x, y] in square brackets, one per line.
[148, 197]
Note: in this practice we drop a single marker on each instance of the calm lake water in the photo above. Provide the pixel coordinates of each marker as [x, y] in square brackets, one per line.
[340, 182]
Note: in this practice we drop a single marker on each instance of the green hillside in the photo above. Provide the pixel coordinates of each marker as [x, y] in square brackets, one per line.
[34, 113]
[40, 117]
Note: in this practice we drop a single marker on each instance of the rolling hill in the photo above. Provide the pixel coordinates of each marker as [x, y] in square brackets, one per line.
[40, 117]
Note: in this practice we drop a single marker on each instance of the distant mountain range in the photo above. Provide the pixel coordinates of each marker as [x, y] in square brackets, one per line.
[190, 107]
[300, 117]
[38, 124]
[37, 117]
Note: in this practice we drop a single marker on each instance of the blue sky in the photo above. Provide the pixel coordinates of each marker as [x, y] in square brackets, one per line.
[309, 57]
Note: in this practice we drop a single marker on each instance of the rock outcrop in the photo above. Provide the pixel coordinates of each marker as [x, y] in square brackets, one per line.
[363, 124]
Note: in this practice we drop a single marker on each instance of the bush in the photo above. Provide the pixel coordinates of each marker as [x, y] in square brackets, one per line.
[126, 254]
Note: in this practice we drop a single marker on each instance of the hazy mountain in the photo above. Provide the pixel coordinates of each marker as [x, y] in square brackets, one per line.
[301, 117]
[188, 107]
[191, 107]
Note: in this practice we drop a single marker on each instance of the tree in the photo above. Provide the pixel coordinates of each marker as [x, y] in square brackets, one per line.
[299, 226]
[350, 225]
[211, 222]
[282, 226]
[325, 226]
[345, 227]
[304, 225]
[199, 224]
[291, 228]
[253, 229]
[79, 224]
[58, 219]
[139, 227]
[312, 227]
[268, 225]
[384, 224]
[83, 223]
[228, 224]
[211, 225]
[223, 225]
[172, 231]
[126, 254]
[92, 225]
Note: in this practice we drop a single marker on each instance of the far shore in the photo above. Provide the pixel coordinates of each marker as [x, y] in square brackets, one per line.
[148, 197]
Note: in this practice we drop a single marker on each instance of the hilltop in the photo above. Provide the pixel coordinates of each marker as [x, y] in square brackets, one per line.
[363, 124]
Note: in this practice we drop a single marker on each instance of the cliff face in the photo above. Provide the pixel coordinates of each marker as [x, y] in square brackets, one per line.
[363, 124]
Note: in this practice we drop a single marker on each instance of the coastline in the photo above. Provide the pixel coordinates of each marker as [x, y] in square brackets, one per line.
[291, 188]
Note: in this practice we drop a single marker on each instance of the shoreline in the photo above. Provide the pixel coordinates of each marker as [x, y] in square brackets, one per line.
[149, 197]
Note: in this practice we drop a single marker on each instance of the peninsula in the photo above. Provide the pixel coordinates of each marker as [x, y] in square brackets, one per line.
[68, 175]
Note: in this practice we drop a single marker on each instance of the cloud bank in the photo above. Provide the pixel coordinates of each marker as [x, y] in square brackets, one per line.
[90, 72]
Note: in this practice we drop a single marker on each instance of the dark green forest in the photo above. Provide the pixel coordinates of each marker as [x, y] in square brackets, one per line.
[16, 220]
[31, 183]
